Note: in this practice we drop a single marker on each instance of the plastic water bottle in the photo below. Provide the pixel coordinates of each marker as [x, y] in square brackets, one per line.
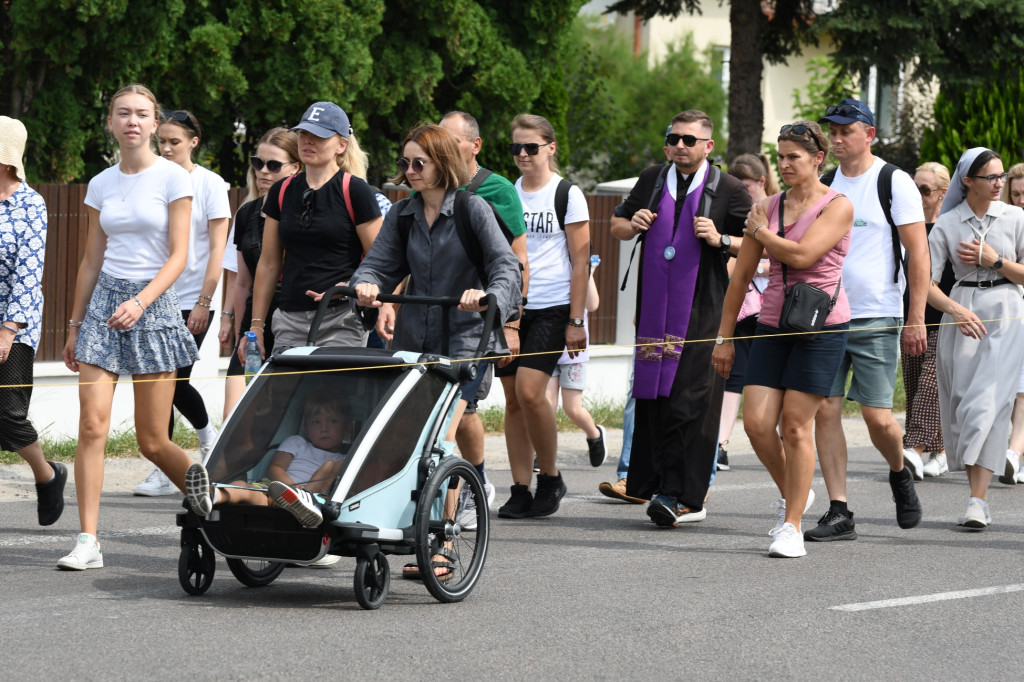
[252, 356]
[595, 260]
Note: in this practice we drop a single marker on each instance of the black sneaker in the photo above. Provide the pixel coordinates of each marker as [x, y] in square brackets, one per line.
[723, 458]
[598, 453]
[50, 495]
[550, 491]
[834, 525]
[518, 505]
[908, 507]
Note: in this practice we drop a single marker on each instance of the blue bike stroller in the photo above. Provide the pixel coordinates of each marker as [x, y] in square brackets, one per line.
[399, 489]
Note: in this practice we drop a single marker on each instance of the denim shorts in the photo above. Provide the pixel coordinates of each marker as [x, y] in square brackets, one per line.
[806, 363]
[873, 351]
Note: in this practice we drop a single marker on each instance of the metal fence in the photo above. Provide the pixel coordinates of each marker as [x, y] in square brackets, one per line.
[68, 227]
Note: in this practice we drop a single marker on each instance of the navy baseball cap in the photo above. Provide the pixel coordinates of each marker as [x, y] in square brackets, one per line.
[848, 111]
[325, 119]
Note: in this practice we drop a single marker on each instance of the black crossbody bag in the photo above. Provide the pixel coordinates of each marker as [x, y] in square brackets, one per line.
[806, 306]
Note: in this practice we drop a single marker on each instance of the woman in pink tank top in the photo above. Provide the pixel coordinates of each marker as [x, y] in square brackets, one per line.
[789, 375]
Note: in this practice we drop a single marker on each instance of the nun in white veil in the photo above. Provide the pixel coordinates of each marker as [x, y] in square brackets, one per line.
[980, 349]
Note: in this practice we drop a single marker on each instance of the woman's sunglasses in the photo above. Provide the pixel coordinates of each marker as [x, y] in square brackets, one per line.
[182, 118]
[532, 148]
[417, 165]
[801, 129]
[259, 164]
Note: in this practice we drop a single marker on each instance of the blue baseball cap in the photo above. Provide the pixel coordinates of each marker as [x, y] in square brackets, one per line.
[848, 111]
[325, 119]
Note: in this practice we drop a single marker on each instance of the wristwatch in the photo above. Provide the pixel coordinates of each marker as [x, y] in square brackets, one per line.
[998, 264]
[721, 339]
[575, 321]
[726, 243]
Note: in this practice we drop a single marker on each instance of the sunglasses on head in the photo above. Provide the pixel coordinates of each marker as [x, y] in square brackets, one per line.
[532, 148]
[850, 111]
[672, 139]
[801, 129]
[259, 164]
[307, 208]
[181, 117]
[417, 165]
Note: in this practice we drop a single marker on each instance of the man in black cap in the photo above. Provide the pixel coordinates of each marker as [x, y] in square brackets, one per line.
[887, 215]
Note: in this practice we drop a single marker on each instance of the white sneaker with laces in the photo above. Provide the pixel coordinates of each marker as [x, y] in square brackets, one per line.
[781, 507]
[197, 488]
[977, 516]
[936, 465]
[913, 461]
[298, 502]
[788, 543]
[326, 561]
[156, 484]
[86, 554]
[489, 491]
[1012, 469]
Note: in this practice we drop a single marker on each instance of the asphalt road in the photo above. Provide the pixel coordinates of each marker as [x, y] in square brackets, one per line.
[594, 592]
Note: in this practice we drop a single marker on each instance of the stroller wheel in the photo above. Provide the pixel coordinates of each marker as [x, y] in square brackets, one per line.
[372, 581]
[253, 572]
[196, 563]
[450, 558]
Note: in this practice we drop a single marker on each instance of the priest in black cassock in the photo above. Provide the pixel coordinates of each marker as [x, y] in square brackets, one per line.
[689, 218]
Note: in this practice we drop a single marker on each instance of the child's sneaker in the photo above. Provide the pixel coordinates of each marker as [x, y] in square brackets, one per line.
[595, 446]
[300, 503]
[86, 554]
[197, 487]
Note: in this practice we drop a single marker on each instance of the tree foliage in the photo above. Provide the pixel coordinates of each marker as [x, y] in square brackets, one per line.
[619, 107]
[243, 66]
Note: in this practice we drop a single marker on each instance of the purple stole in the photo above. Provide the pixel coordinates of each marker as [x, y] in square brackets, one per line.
[670, 265]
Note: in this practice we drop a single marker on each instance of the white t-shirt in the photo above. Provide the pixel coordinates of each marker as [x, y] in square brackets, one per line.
[306, 458]
[134, 216]
[546, 247]
[230, 260]
[869, 266]
[209, 202]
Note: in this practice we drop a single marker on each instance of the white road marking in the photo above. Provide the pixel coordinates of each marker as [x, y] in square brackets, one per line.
[23, 540]
[927, 598]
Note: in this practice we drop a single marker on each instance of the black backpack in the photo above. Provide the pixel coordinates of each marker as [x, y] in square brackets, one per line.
[884, 198]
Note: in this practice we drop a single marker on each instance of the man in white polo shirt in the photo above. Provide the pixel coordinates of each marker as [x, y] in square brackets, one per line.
[874, 280]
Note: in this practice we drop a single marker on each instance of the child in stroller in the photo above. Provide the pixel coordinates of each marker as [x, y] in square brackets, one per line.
[303, 468]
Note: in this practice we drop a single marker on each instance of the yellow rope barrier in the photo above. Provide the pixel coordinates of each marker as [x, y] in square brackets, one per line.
[476, 359]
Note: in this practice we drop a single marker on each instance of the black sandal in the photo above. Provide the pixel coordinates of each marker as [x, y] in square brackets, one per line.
[412, 571]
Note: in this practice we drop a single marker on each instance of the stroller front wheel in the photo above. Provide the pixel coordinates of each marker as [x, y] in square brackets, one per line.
[196, 563]
[372, 581]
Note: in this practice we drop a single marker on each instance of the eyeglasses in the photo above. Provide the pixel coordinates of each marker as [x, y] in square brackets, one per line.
[801, 129]
[672, 139]
[306, 219]
[850, 111]
[182, 117]
[532, 148]
[991, 179]
[259, 164]
[926, 191]
[417, 165]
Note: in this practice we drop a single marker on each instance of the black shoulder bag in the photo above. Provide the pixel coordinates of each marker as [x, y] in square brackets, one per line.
[806, 306]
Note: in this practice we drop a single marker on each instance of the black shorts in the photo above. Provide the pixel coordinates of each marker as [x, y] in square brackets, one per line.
[541, 340]
[801, 362]
[744, 328]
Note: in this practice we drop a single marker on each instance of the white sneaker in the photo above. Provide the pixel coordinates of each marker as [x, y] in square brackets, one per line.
[197, 488]
[1012, 469]
[156, 484]
[489, 491]
[300, 503]
[788, 543]
[466, 516]
[913, 461]
[936, 465]
[326, 561]
[977, 515]
[86, 554]
[781, 507]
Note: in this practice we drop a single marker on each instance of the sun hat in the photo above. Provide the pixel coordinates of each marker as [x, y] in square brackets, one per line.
[13, 137]
[325, 119]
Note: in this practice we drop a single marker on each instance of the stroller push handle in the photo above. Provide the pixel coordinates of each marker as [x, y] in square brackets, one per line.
[445, 302]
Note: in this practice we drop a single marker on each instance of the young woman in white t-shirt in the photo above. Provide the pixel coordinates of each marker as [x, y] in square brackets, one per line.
[177, 138]
[125, 318]
[552, 317]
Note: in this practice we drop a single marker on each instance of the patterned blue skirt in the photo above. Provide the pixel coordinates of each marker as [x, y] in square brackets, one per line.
[159, 341]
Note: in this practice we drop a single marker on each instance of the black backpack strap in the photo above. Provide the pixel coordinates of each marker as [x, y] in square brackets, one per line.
[885, 199]
[827, 178]
[562, 201]
[652, 203]
[481, 176]
[470, 242]
[404, 222]
[710, 191]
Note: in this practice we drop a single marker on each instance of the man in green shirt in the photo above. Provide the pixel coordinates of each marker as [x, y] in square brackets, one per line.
[503, 196]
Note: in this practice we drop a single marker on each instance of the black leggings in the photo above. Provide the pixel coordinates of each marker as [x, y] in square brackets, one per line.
[186, 398]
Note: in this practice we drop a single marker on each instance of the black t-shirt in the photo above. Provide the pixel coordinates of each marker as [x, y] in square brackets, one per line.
[328, 251]
[249, 233]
